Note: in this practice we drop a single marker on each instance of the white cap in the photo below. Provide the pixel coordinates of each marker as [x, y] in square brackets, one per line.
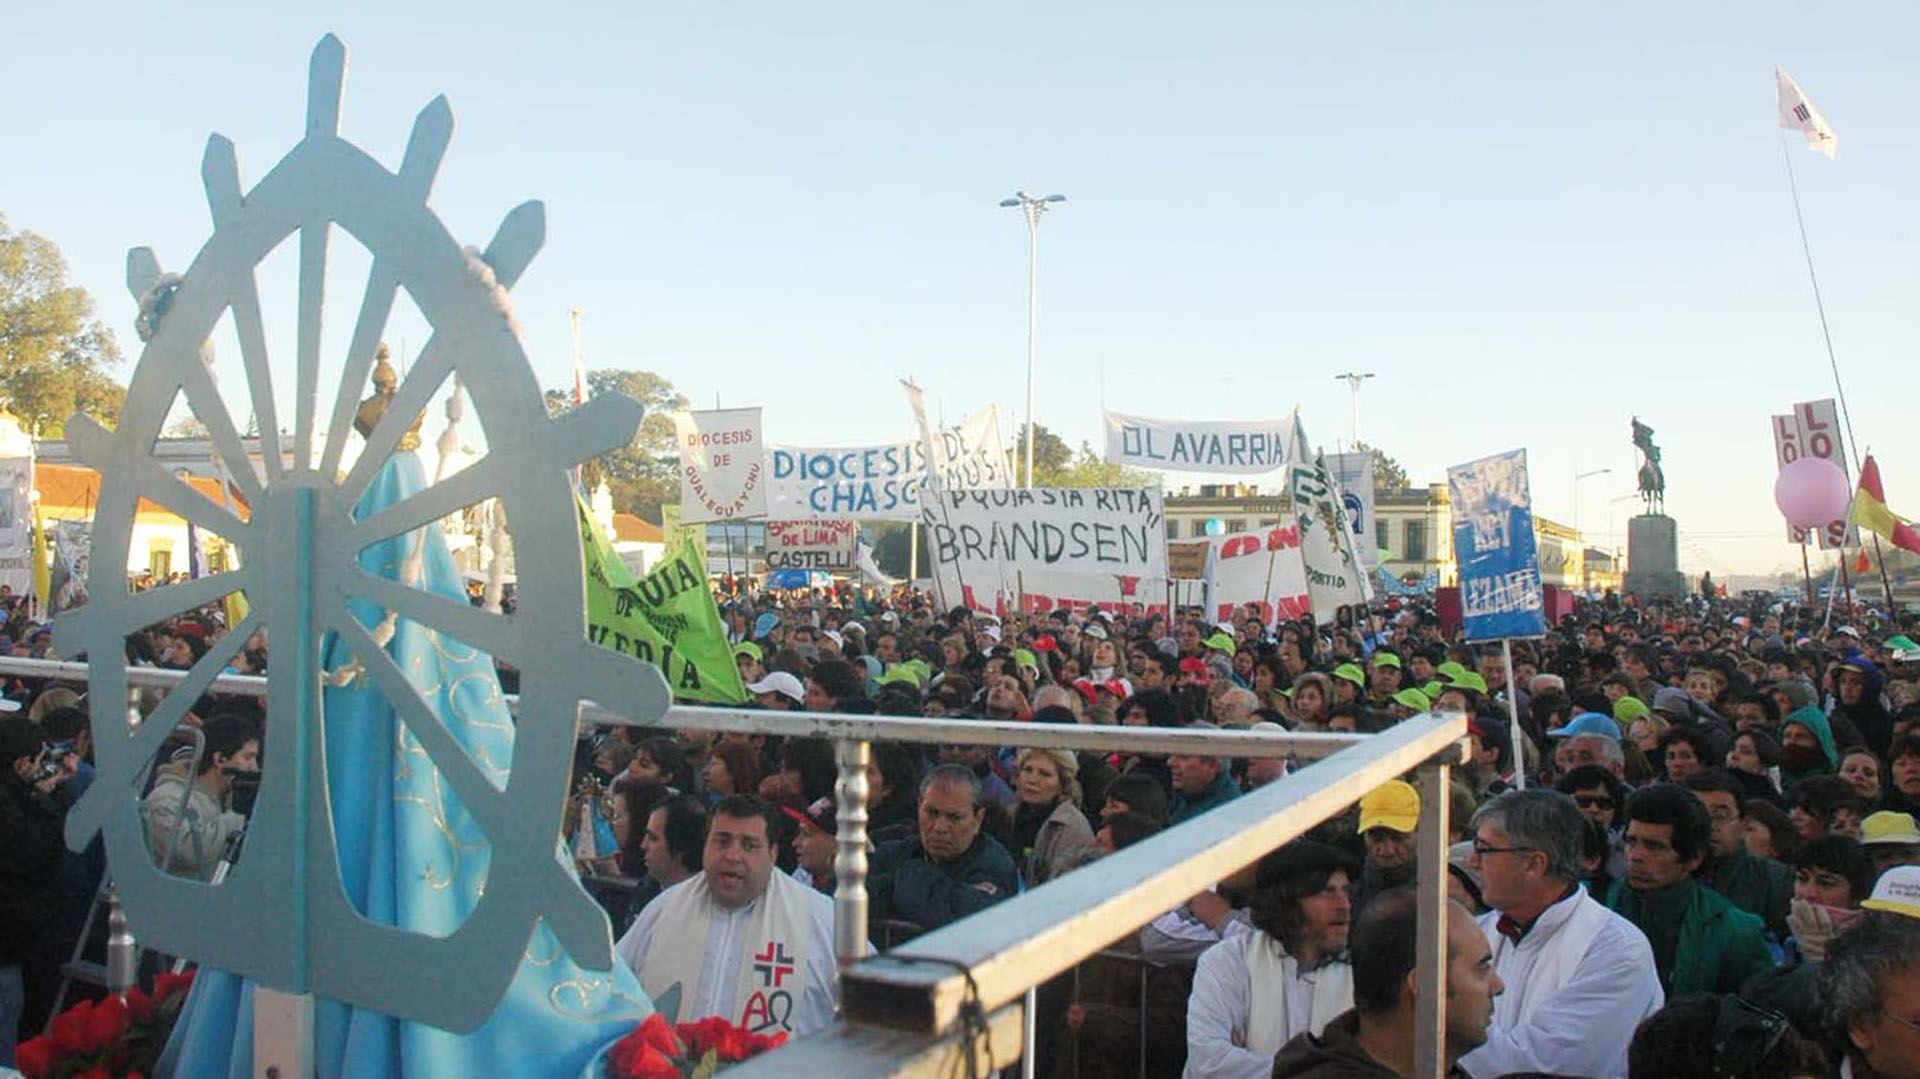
[991, 630]
[780, 682]
[1095, 630]
[8, 704]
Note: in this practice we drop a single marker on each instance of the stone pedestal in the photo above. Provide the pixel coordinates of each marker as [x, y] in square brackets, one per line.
[1653, 558]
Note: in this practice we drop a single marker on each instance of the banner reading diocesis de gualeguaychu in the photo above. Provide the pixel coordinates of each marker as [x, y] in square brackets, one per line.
[667, 618]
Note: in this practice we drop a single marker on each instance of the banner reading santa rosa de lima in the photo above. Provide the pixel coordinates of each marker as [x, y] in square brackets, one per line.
[1494, 544]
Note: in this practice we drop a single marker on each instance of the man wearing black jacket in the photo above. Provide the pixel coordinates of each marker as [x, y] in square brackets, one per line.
[31, 818]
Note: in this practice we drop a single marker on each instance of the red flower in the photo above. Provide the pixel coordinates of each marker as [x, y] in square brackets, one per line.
[70, 1030]
[166, 985]
[139, 1006]
[763, 1043]
[107, 1022]
[654, 1065]
[656, 1034]
[733, 1045]
[33, 1057]
[644, 1048]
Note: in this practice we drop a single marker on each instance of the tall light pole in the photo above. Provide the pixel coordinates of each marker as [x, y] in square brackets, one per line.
[1353, 379]
[1578, 537]
[1033, 207]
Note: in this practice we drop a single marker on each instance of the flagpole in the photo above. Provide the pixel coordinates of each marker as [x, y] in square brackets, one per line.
[1806, 249]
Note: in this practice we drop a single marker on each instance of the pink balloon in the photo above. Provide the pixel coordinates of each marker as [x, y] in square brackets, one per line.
[1812, 492]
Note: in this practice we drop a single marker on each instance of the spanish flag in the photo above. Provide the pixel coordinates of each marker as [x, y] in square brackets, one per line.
[1871, 513]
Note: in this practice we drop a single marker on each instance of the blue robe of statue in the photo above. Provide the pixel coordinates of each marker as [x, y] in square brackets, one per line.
[411, 856]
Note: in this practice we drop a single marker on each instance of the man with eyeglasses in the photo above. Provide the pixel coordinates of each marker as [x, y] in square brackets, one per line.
[1578, 977]
[740, 940]
[1759, 886]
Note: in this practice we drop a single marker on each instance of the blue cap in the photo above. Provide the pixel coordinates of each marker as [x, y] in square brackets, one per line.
[764, 624]
[1588, 725]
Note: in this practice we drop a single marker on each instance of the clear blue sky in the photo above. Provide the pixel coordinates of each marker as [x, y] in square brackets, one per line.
[1530, 221]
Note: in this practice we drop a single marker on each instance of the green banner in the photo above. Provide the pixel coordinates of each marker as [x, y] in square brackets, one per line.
[667, 618]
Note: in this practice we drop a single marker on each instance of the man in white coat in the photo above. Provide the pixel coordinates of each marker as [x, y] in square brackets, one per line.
[1284, 975]
[1579, 978]
[739, 940]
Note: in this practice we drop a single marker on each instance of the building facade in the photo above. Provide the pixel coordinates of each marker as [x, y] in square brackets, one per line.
[1413, 532]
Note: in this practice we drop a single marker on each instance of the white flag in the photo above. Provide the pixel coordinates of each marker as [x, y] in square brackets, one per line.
[1797, 112]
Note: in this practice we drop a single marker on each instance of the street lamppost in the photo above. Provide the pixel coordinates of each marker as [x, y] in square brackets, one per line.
[1033, 207]
[1353, 379]
[1586, 579]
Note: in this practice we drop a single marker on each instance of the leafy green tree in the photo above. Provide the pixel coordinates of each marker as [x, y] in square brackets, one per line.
[1387, 473]
[1091, 469]
[1052, 457]
[645, 473]
[54, 354]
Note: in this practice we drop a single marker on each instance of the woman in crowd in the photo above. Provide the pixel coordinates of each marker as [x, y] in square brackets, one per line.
[1049, 829]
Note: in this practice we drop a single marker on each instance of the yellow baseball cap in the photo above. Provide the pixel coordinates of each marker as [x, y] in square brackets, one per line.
[1897, 891]
[1393, 804]
[1891, 828]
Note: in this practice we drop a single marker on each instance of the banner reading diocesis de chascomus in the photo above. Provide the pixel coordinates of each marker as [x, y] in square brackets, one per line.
[667, 618]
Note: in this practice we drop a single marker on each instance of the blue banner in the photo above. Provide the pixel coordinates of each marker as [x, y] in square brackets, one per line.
[1494, 545]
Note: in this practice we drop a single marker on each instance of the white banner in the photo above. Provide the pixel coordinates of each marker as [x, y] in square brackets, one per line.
[827, 545]
[16, 507]
[1354, 473]
[973, 455]
[723, 465]
[1262, 569]
[1221, 447]
[872, 483]
[882, 482]
[72, 564]
[1335, 577]
[982, 538]
[1041, 591]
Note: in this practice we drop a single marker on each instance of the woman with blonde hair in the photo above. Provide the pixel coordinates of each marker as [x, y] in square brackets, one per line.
[1049, 830]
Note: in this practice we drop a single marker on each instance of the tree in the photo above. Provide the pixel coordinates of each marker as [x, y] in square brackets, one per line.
[1091, 469]
[1051, 458]
[1387, 473]
[54, 354]
[893, 542]
[646, 472]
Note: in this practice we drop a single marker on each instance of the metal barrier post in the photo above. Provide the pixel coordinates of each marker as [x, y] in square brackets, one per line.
[1430, 946]
[850, 861]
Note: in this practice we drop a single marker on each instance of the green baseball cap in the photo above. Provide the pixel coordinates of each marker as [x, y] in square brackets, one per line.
[1414, 699]
[748, 648]
[1386, 659]
[1220, 642]
[1628, 709]
[1352, 673]
[1450, 670]
[1471, 680]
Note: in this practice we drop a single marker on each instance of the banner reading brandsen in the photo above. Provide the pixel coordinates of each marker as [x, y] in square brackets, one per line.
[723, 465]
[1494, 544]
[1223, 447]
[1107, 531]
[827, 545]
[667, 618]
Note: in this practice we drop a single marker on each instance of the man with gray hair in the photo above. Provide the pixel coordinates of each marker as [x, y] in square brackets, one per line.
[951, 869]
[1578, 977]
[1871, 985]
[1234, 708]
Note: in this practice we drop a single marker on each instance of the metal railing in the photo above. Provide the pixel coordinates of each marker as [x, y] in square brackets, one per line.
[903, 1011]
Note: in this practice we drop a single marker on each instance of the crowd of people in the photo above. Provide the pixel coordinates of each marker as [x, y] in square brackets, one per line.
[1694, 853]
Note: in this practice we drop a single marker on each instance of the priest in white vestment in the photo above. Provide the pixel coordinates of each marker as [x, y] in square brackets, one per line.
[740, 940]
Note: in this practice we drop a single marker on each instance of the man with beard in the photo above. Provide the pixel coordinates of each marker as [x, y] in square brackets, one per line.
[1285, 975]
[1389, 815]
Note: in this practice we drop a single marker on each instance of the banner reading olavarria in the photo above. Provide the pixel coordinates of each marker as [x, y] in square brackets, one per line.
[667, 618]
